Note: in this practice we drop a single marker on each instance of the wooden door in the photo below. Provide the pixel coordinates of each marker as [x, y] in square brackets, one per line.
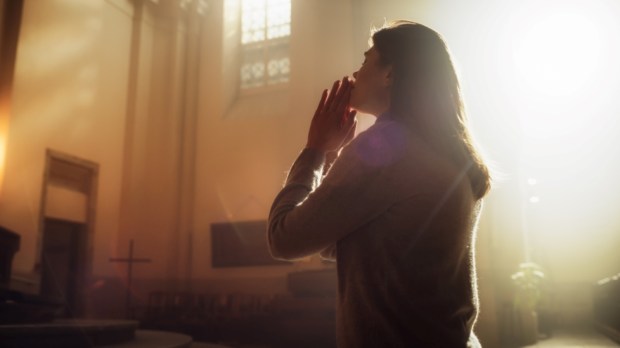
[62, 263]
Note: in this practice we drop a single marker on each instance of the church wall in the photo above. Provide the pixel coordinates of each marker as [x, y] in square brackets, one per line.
[152, 179]
[87, 87]
[69, 95]
[133, 204]
[158, 156]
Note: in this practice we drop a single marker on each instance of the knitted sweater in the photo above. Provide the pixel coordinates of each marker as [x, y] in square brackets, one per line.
[400, 222]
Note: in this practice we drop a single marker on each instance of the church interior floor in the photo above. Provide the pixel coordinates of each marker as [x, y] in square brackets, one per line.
[583, 337]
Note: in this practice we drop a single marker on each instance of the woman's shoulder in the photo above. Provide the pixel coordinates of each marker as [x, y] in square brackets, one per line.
[390, 142]
[400, 160]
[382, 144]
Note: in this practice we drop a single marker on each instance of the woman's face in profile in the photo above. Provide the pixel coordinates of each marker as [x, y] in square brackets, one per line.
[371, 89]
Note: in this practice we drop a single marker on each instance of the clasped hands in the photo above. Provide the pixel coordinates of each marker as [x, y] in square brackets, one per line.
[333, 124]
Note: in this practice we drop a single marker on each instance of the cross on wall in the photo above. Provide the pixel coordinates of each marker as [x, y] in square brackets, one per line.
[130, 260]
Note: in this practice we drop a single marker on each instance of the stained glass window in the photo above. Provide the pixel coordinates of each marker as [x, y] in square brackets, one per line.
[265, 30]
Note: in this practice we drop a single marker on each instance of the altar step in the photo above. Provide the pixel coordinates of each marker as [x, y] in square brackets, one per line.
[90, 333]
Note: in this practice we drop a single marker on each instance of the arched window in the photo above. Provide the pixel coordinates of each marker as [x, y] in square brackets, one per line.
[265, 32]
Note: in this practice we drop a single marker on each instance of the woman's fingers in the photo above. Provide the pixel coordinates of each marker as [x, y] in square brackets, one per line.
[344, 84]
[321, 105]
[339, 95]
[332, 123]
[343, 97]
[343, 103]
[350, 120]
[332, 95]
[351, 115]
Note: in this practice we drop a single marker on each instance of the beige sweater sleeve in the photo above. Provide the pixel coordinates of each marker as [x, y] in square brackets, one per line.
[304, 176]
[311, 213]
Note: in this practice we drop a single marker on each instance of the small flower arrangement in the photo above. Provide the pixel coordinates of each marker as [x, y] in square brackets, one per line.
[528, 281]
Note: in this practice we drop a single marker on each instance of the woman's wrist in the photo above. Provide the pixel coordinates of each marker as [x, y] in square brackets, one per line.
[316, 148]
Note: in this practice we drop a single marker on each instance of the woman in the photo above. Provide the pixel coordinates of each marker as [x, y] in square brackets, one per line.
[398, 209]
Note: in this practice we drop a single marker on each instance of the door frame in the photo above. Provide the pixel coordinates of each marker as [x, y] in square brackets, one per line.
[90, 190]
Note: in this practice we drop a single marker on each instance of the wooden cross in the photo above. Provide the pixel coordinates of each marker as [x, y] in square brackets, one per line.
[130, 261]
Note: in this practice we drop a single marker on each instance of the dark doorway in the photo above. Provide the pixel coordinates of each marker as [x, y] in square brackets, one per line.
[63, 260]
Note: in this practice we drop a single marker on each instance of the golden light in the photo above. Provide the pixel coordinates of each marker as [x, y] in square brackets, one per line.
[557, 54]
[563, 71]
[541, 80]
[2, 155]
[4, 120]
[562, 58]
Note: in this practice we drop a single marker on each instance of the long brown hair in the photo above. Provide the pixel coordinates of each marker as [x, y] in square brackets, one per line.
[426, 95]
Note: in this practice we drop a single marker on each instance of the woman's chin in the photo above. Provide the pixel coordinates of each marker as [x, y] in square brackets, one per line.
[361, 109]
[356, 105]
